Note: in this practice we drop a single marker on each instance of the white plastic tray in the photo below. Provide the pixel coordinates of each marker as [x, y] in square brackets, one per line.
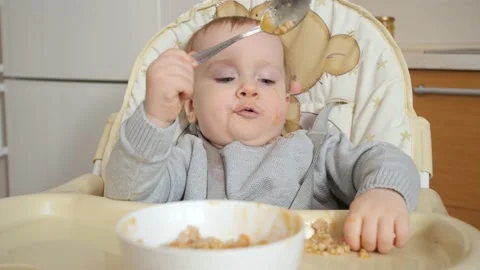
[72, 231]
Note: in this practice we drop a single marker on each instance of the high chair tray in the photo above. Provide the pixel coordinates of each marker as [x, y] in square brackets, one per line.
[73, 231]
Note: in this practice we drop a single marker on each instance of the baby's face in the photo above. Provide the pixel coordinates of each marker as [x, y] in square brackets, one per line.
[240, 94]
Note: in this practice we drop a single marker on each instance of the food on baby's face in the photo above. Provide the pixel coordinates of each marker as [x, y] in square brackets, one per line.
[191, 238]
[322, 242]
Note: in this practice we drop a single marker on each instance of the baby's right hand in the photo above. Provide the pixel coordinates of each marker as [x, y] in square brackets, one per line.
[169, 82]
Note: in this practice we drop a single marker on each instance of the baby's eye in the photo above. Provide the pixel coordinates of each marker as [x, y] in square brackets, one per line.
[267, 81]
[225, 79]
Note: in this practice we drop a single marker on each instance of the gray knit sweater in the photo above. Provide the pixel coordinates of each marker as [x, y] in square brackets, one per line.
[147, 164]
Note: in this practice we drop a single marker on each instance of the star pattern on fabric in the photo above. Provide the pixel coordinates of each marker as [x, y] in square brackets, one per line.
[377, 102]
[381, 63]
[370, 138]
[406, 136]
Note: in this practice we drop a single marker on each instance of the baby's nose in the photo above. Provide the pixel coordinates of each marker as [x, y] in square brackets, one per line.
[247, 91]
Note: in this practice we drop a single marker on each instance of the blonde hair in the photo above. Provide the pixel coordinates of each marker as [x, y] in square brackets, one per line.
[237, 21]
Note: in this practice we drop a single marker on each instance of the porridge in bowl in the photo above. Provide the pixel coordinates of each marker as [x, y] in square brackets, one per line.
[191, 238]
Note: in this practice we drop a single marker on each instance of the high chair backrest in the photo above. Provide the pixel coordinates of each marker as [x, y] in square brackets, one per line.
[375, 88]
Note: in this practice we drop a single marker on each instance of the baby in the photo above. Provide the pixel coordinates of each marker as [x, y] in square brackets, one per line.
[236, 103]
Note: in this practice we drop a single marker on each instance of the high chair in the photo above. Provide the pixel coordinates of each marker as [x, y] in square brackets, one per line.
[345, 55]
[373, 83]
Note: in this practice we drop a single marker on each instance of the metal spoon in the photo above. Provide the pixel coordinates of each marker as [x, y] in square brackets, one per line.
[279, 18]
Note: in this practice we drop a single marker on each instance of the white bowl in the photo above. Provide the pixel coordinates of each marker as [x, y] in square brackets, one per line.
[145, 233]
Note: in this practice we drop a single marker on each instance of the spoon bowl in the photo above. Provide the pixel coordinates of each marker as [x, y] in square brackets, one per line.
[282, 16]
[279, 18]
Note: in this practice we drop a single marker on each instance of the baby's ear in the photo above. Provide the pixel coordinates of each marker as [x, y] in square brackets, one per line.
[190, 111]
[295, 88]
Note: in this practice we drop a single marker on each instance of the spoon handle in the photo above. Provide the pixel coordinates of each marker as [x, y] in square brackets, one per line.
[204, 55]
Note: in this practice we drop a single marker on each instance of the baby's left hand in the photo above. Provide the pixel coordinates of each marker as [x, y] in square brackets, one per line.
[378, 220]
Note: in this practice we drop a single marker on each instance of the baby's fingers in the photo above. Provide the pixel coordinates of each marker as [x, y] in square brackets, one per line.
[192, 59]
[369, 233]
[401, 230]
[352, 231]
[385, 235]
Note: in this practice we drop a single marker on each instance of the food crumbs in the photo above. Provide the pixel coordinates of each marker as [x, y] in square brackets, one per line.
[322, 241]
[363, 254]
[263, 242]
[133, 221]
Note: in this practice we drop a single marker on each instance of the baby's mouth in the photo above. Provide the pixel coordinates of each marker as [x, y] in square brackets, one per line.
[250, 112]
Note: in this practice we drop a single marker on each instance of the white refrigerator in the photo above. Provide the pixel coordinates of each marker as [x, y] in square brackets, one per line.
[66, 66]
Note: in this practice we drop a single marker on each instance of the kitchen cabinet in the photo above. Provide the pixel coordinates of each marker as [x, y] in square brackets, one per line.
[452, 106]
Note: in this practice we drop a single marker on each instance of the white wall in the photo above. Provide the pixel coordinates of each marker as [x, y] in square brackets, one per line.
[53, 130]
[431, 22]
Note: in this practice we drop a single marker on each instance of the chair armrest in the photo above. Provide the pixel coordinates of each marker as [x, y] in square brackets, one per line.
[423, 151]
[104, 139]
[86, 184]
[430, 202]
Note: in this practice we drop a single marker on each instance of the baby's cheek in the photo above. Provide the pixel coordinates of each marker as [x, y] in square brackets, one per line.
[280, 116]
[276, 114]
[207, 109]
[279, 109]
[218, 102]
[274, 106]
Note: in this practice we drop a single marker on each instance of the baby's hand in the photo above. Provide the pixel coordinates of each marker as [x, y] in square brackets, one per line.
[169, 82]
[378, 220]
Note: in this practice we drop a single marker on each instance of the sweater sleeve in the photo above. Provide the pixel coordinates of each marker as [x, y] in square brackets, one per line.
[353, 170]
[145, 164]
